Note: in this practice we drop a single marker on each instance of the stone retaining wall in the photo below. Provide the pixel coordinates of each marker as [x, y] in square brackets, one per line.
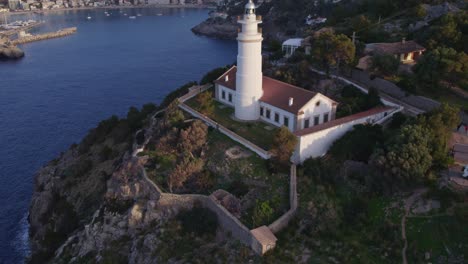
[283, 221]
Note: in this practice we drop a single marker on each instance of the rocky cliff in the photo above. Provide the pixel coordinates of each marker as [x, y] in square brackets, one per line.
[95, 204]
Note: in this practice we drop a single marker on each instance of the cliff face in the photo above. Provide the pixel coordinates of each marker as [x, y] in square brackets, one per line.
[95, 204]
[92, 185]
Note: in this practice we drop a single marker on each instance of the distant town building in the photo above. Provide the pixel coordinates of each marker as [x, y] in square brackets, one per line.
[291, 45]
[14, 4]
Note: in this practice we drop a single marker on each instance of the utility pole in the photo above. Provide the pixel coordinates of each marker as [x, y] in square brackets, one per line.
[354, 37]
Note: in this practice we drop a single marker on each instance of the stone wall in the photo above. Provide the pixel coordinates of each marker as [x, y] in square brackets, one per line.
[283, 221]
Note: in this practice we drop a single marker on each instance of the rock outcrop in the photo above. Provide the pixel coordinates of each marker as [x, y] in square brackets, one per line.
[217, 28]
[9, 51]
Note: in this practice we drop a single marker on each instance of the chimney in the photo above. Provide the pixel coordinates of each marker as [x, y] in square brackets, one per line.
[226, 78]
[291, 101]
[403, 41]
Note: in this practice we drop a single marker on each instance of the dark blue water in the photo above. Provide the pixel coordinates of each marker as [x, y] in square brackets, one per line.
[64, 87]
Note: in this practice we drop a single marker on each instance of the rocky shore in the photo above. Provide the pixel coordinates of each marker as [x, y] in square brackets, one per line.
[9, 51]
[217, 28]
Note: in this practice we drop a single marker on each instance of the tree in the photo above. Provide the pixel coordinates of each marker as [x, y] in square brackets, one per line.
[442, 63]
[187, 167]
[407, 158]
[385, 64]
[360, 23]
[194, 137]
[206, 104]
[419, 11]
[173, 115]
[358, 144]
[333, 50]
[284, 144]
[440, 123]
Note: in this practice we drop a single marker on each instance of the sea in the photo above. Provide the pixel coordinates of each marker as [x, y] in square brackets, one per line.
[63, 87]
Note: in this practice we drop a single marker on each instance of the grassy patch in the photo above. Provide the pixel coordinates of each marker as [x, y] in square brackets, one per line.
[252, 131]
[441, 236]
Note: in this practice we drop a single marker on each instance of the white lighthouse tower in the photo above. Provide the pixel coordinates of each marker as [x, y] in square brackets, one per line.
[249, 66]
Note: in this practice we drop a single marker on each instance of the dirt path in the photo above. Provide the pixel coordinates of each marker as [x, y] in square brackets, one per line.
[408, 203]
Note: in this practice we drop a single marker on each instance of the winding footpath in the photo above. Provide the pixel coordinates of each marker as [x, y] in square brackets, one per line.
[408, 203]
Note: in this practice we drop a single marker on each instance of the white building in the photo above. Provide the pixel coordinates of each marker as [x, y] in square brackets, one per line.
[309, 115]
[291, 45]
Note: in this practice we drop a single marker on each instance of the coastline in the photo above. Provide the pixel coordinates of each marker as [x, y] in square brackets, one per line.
[109, 7]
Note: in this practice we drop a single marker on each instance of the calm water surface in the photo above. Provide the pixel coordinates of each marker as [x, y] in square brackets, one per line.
[64, 87]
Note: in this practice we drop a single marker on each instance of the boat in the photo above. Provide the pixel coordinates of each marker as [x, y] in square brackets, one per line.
[138, 14]
[107, 14]
[89, 18]
[132, 17]
[125, 14]
[159, 14]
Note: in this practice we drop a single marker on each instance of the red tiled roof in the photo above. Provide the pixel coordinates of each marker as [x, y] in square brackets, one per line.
[395, 48]
[275, 93]
[342, 120]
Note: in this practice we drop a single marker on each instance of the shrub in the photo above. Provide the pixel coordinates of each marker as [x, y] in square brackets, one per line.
[238, 188]
[176, 94]
[199, 221]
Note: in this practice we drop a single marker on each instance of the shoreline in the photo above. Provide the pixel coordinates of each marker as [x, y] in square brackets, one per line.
[108, 7]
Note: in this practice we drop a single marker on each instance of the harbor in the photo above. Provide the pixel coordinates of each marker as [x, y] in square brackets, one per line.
[27, 38]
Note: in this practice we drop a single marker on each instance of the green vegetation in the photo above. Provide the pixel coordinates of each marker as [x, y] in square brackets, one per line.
[172, 96]
[386, 65]
[254, 132]
[354, 101]
[199, 221]
[358, 144]
[332, 50]
[284, 144]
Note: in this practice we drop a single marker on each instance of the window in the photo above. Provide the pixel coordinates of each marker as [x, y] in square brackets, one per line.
[316, 120]
[307, 123]
[230, 97]
[317, 104]
[223, 95]
[276, 118]
[268, 113]
[325, 117]
[286, 122]
[261, 110]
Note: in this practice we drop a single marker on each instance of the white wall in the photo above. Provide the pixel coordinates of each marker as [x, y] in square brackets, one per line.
[317, 144]
[311, 110]
[227, 91]
[281, 113]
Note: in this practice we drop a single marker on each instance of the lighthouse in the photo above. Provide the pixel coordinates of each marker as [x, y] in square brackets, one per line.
[249, 66]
